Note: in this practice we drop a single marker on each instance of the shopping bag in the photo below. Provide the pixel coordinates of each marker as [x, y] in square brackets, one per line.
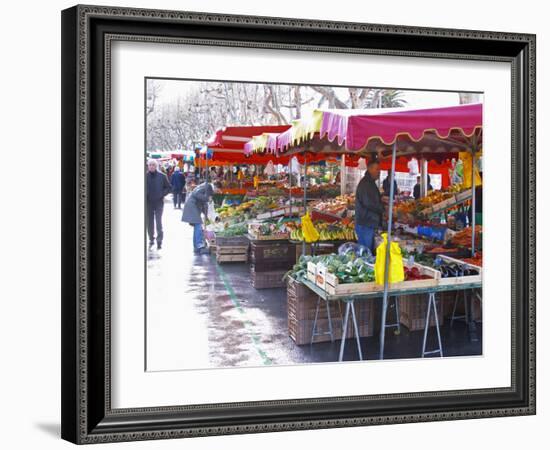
[466, 158]
[309, 231]
[212, 215]
[396, 271]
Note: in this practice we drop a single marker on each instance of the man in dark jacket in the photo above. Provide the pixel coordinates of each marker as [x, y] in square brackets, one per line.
[416, 189]
[178, 185]
[157, 188]
[194, 207]
[386, 187]
[368, 206]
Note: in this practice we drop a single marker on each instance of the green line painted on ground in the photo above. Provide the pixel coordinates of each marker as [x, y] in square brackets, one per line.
[248, 325]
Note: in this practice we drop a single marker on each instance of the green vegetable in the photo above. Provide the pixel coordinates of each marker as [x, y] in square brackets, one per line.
[347, 268]
[238, 229]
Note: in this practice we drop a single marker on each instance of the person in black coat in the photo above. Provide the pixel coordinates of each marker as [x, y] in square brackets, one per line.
[178, 185]
[158, 187]
[416, 189]
[386, 187]
[368, 206]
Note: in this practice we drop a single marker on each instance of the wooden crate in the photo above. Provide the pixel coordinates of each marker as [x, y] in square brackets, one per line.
[333, 287]
[272, 237]
[265, 252]
[231, 253]
[231, 258]
[412, 311]
[268, 279]
[464, 195]
[301, 305]
[322, 249]
[271, 214]
[222, 241]
[270, 266]
[232, 250]
[211, 243]
[460, 280]
[444, 204]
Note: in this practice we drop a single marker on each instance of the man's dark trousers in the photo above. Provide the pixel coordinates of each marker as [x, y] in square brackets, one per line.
[177, 196]
[154, 217]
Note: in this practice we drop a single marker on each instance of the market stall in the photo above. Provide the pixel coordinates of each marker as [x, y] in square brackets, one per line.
[436, 134]
[251, 217]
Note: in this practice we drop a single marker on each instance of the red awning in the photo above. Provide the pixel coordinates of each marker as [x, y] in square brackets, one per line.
[236, 137]
[227, 145]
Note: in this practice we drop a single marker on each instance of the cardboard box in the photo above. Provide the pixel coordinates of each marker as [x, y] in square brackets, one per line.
[320, 275]
[311, 271]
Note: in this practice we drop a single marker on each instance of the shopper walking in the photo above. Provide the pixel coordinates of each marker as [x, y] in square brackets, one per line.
[368, 206]
[158, 187]
[195, 206]
[178, 186]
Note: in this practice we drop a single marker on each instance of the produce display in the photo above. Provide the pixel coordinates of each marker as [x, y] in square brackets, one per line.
[452, 270]
[412, 209]
[317, 191]
[343, 230]
[422, 258]
[413, 273]
[348, 268]
[248, 209]
[325, 190]
[227, 200]
[463, 238]
[448, 269]
[434, 197]
[278, 228]
[330, 218]
[336, 206]
[236, 229]
[476, 260]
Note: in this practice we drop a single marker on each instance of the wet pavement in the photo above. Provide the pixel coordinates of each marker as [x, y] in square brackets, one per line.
[203, 315]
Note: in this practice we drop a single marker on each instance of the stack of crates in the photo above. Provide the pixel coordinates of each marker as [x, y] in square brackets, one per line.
[232, 249]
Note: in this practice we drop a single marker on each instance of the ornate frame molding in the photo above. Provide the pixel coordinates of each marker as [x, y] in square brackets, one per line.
[76, 279]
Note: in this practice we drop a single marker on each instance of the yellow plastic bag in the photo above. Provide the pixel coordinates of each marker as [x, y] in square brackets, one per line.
[396, 270]
[309, 231]
[466, 158]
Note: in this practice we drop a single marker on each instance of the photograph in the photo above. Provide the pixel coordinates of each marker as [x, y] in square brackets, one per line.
[292, 224]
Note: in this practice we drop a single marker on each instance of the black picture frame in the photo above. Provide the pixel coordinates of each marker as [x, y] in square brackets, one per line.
[87, 31]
